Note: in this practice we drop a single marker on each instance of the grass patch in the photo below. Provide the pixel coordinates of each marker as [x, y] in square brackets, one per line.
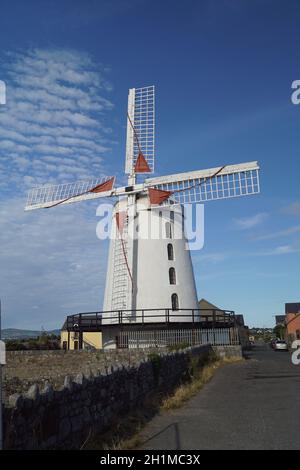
[201, 376]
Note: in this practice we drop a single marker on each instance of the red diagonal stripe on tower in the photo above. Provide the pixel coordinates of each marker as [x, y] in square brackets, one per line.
[157, 196]
[102, 187]
[120, 220]
[141, 165]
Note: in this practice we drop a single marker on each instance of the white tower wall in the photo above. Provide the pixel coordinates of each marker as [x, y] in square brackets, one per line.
[149, 264]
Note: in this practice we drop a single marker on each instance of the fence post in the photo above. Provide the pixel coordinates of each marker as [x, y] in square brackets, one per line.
[80, 332]
[214, 318]
[167, 316]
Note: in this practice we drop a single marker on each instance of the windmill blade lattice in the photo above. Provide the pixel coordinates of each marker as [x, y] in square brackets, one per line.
[52, 195]
[140, 127]
[206, 185]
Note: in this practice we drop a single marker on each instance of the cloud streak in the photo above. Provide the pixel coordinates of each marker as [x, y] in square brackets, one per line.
[282, 250]
[53, 129]
[52, 264]
[56, 108]
[246, 223]
[280, 233]
[293, 209]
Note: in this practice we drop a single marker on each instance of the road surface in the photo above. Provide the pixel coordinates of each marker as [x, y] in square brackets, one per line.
[250, 405]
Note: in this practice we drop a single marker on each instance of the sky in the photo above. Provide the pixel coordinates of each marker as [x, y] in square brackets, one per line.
[223, 71]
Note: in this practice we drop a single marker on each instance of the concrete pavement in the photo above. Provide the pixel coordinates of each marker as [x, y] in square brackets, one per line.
[249, 405]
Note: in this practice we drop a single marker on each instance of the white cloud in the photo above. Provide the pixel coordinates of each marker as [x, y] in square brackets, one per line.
[281, 250]
[293, 209]
[250, 222]
[213, 258]
[50, 259]
[52, 129]
[56, 105]
[280, 233]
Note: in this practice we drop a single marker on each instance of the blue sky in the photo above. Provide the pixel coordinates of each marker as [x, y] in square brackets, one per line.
[223, 72]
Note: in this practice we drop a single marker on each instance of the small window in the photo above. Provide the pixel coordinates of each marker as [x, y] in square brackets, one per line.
[172, 276]
[174, 301]
[172, 216]
[168, 230]
[170, 252]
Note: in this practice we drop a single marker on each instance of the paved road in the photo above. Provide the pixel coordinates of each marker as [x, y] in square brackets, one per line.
[249, 405]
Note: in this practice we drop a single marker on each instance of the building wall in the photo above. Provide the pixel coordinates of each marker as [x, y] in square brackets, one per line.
[292, 326]
[90, 340]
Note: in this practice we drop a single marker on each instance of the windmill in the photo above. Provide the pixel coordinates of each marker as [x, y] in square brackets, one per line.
[150, 272]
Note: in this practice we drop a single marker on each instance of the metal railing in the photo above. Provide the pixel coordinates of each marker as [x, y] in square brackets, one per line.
[191, 337]
[93, 321]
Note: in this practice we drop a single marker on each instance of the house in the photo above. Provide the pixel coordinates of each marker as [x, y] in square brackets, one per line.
[218, 317]
[292, 321]
[280, 319]
[71, 340]
[210, 312]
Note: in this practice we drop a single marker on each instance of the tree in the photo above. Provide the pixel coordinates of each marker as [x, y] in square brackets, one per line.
[279, 331]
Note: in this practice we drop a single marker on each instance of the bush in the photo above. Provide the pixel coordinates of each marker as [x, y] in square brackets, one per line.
[178, 346]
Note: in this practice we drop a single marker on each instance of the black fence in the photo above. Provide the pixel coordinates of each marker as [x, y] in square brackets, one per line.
[97, 321]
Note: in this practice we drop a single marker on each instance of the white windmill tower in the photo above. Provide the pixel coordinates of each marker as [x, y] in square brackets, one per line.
[150, 273]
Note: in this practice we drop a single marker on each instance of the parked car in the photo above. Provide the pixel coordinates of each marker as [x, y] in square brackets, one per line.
[280, 345]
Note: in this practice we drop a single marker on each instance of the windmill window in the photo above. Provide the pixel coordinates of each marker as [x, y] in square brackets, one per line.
[172, 276]
[174, 301]
[170, 252]
[168, 230]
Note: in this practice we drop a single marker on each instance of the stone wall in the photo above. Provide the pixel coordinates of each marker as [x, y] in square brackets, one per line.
[228, 351]
[25, 368]
[91, 402]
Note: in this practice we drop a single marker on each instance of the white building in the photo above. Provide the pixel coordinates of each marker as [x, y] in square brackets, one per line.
[162, 275]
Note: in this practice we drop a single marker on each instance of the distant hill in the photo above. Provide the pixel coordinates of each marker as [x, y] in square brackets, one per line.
[15, 333]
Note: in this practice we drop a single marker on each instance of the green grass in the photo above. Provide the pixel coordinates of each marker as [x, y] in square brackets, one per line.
[187, 390]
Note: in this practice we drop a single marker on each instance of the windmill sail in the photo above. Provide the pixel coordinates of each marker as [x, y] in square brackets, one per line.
[50, 196]
[140, 130]
[206, 185]
[139, 276]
